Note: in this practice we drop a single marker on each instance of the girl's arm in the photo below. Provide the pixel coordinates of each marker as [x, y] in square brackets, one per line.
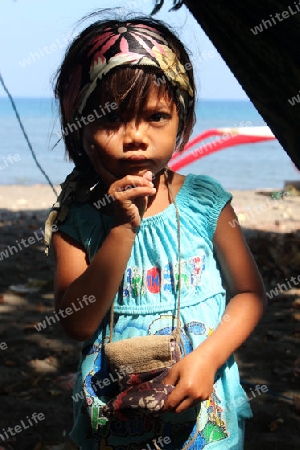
[99, 281]
[194, 374]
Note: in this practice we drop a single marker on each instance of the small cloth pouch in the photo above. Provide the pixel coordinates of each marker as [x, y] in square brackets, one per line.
[147, 360]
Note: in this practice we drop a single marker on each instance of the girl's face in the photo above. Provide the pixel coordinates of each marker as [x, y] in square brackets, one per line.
[126, 144]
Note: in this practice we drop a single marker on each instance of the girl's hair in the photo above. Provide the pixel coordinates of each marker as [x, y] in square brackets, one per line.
[124, 86]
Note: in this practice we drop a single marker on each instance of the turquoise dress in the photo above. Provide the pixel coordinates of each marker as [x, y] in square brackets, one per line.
[148, 306]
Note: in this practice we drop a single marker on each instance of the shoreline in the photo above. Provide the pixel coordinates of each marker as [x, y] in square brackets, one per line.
[255, 209]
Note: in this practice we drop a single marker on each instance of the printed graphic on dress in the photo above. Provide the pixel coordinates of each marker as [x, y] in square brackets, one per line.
[138, 281]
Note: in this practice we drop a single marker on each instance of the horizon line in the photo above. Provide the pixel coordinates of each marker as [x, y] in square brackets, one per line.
[197, 99]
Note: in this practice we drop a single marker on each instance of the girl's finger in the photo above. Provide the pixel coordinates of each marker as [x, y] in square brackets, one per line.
[172, 377]
[185, 404]
[175, 398]
[132, 193]
[148, 175]
[130, 182]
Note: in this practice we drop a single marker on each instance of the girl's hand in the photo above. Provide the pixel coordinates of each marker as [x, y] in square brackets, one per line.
[193, 378]
[130, 198]
[129, 195]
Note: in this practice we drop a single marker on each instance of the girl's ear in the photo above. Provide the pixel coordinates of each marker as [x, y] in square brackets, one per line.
[87, 147]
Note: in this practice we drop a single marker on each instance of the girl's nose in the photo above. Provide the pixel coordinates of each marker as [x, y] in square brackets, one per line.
[135, 132]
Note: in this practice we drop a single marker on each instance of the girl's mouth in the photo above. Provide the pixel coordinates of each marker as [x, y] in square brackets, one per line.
[136, 158]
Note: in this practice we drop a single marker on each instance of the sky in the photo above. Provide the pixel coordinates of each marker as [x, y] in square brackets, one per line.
[35, 33]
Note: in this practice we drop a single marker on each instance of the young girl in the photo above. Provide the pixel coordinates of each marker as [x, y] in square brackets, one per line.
[135, 235]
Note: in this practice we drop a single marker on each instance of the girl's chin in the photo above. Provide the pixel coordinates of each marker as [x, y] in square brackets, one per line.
[140, 171]
[136, 171]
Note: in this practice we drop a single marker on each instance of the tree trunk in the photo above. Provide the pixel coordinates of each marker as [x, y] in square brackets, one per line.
[266, 64]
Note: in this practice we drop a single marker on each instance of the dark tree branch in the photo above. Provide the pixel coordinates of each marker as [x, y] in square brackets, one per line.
[159, 3]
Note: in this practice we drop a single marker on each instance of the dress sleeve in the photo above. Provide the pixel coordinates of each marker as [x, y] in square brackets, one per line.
[208, 198]
[75, 224]
[84, 225]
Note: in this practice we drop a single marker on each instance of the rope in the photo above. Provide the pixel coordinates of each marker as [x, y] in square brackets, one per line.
[25, 135]
[166, 173]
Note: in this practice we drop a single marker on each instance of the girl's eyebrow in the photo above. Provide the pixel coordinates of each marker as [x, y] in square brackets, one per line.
[159, 105]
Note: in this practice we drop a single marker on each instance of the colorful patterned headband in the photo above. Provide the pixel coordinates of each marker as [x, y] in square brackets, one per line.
[135, 45]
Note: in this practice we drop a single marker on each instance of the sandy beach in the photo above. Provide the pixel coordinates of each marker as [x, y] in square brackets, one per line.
[37, 367]
[259, 209]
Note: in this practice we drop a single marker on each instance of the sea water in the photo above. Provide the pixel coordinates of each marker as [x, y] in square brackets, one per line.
[250, 166]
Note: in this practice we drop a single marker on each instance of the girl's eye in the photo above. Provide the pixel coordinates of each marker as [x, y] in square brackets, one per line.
[111, 121]
[158, 117]
[113, 117]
